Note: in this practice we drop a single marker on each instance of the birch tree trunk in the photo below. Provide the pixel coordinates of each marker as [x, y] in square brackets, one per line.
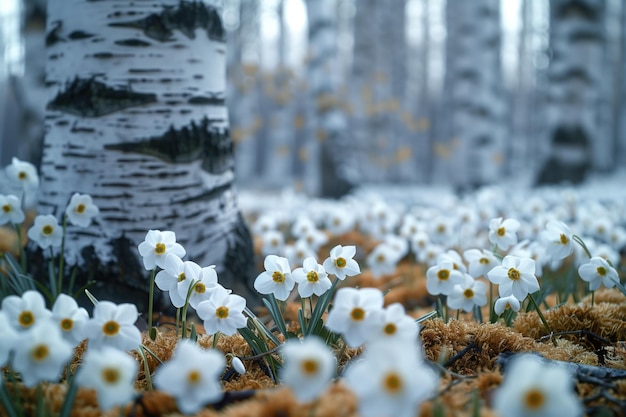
[137, 119]
[476, 105]
[574, 142]
[336, 157]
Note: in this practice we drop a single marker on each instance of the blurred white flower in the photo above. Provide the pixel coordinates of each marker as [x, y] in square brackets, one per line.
[10, 210]
[191, 376]
[46, 231]
[598, 272]
[507, 302]
[70, 318]
[311, 278]
[454, 257]
[223, 312]
[276, 279]
[25, 311]
[8, 338]
[442, 277]
[390, 380]
[308, 367]
[113, 325]
[353, 315]
[503, 233]
[393, 325]
[81, 210]
[382, 260]
[468, 294]
[558, 240]
[272, 242]
[532, 387]
[23, 173]
[156, 246]
[341, 262]
[315, 239]
[111, 373]
[297, 252]
[40, 354]
[480, 261]
[339, 221]
[516, 276]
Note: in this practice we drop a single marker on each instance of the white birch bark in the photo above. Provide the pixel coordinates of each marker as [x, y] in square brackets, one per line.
[574, 142]
[336, 154]
[137, 119]
[476, 111]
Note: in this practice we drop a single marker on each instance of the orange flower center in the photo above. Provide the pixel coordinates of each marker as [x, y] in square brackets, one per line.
[340, 262]
[26, 319]
[513, 274]
[443, 274]
[309, 367]
[221, 312]
[47, 230]
[278, 277]
[159, 248]
[67, 324]
[534, 399]
[80, 209]
[40, 352]
[312, 276]
[357, 314]
[390, 329]
[110, 375]
[468, 293]
[111, 328]
[501, 231]
[392, 383]
[564, 239]
[601, 271]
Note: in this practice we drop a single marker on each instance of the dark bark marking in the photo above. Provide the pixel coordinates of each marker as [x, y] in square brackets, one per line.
[186, 17]
[133, 43]
[52, 37]
[211, 99]
[79, 34]
[189, 143]
[91, 98]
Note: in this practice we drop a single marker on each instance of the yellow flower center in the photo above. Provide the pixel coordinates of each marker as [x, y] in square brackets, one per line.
[513, 274]
[357, 314]
[181, 277]
[278, 277]
[380, 258]
[22, 175]
[6, 208]
[80, 209]
[312, 276]
[564, 239]
[47, 230]
[111, 328]
[390, 329]
[221, 312]
[601, 271]
[67, 324]
[274, 242]
[441, 228]
[443, 274]
[340, 262]
[110, 375]
[468, 293]
[534, 399]
[392, 383]
[159, 248]
[501, 231]
[484, 261]
[26, 319]
[199, 288]
[40, 352]
[193, 377]
[309, 367]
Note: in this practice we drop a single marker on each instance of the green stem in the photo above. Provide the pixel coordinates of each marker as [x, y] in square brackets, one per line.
[70, 396]
[5, 400]
[541, 316]
[578, 240]
[18, 230]
[62, 258]
[492, 313]
[593, 296]
[150, 301]
[216, 336]
[185, 307]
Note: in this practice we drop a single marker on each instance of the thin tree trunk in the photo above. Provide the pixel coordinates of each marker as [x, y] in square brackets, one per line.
[136, 118]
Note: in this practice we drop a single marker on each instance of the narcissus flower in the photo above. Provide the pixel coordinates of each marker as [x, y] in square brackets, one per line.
[223, 312]
[111, 373]
[558, 240]
[156, 246]
[393, 325]
[480, 262]
[41, 355]
[276, 279]
[341, 262]
[46, 231]
[10, 210]
[442, 277]
[390, 380]
[8, 338]
[309, 367]
[175, 277]
[516, 276]
[113, 325]
[81, 210]
[533, 387]
[70, 318]
[203, 286]
[504, 303]
[353, 313]
[468, 294]
[503, 233]
[191, 376]
[23, 173]
[598, 272]
[311, 278]
[25, 311]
